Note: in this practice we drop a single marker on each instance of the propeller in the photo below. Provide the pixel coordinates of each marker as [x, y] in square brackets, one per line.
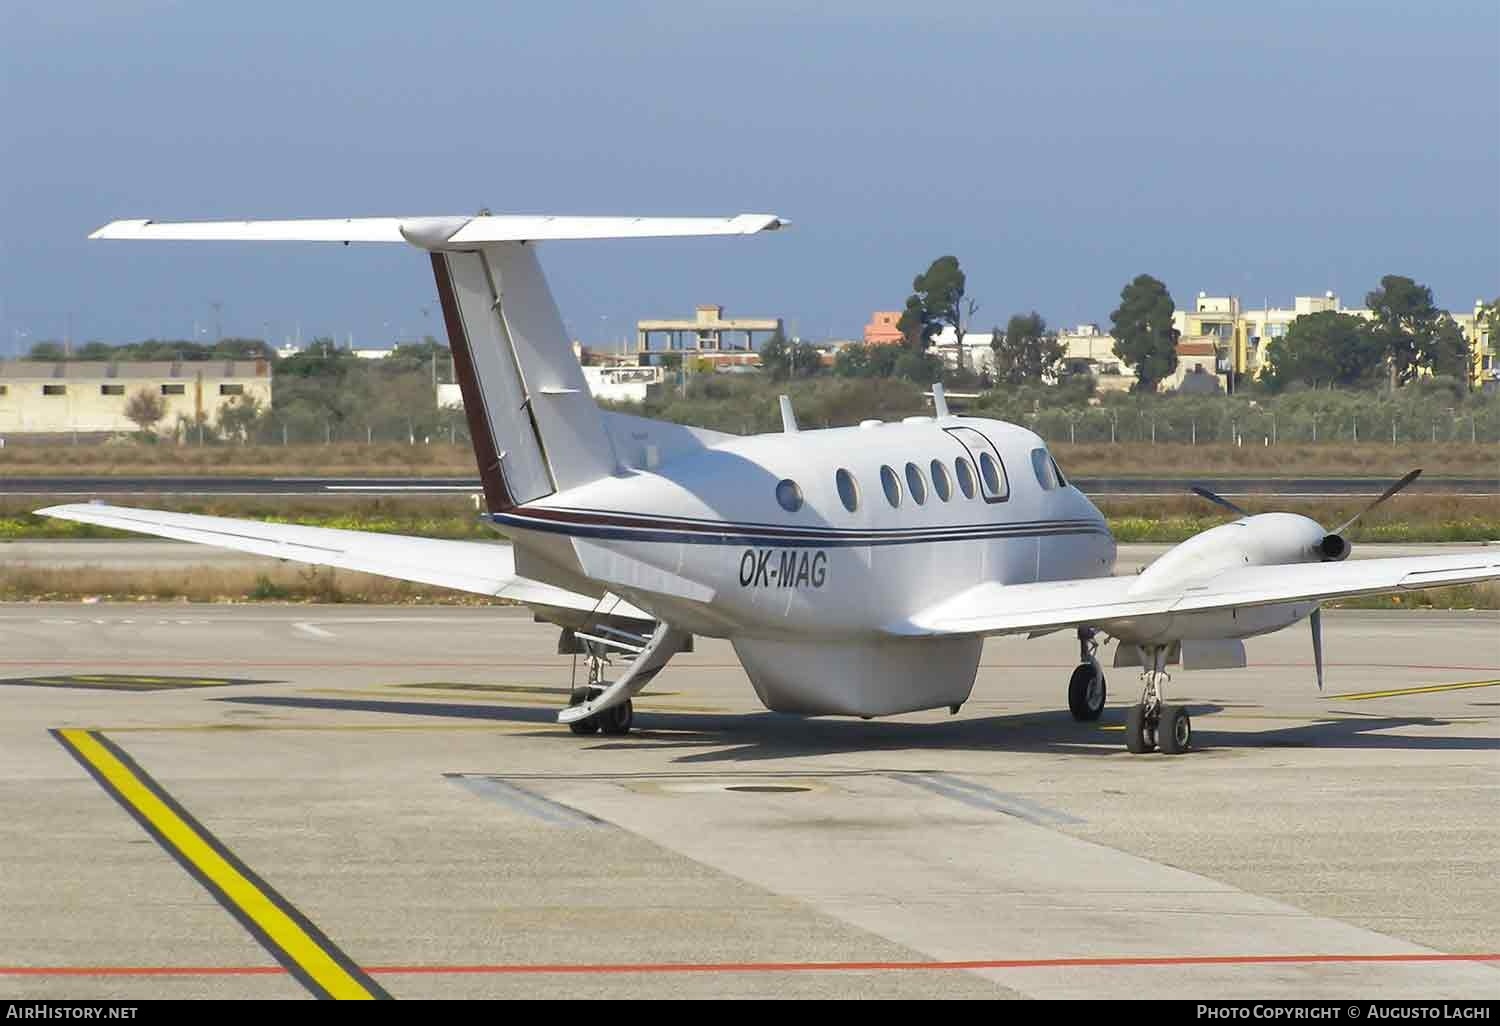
[1392, 490]
[1217, 500]
[1315, 621]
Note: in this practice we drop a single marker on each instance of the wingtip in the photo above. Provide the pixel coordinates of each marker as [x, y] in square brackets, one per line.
[119, 229]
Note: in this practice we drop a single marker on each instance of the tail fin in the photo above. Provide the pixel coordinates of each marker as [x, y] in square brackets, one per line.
[535, 426]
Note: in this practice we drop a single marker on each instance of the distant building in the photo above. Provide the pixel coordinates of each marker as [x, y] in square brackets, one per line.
[38, 397]
[1088, 350]
[708, 332]
[882, 328]
[977, 353]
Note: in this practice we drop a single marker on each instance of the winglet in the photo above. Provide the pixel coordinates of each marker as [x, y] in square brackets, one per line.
[788, 418]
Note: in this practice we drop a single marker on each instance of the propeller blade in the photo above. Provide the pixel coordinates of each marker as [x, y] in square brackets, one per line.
[1392, 490]
[1316, 622]
[1217, 500]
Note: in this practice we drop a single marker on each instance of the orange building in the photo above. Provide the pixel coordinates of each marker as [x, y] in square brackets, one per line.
[882, 330]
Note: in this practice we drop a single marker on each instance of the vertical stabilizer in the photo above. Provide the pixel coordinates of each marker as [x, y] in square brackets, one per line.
[536, 428]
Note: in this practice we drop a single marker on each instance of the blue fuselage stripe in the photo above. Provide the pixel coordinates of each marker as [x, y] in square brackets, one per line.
[741, 534]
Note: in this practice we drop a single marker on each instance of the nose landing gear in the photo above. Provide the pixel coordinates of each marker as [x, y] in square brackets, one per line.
[1086, 689]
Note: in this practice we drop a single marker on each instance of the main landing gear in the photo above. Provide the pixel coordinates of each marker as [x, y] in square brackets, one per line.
[612, 722]
[1086, 690]
[1152, 723]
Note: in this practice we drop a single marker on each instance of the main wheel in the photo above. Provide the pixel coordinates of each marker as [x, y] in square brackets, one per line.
[1139, 737]
[616, 720]
[1086, 693]
[1175, 731]
[589, 724]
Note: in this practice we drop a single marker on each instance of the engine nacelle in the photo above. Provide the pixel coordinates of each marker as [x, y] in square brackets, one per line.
[1269, 539]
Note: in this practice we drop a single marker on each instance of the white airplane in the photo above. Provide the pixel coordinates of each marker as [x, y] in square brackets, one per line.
[856, 571]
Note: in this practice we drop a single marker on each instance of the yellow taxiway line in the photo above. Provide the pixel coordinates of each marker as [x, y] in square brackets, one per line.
[290, 938]
[1362, 696]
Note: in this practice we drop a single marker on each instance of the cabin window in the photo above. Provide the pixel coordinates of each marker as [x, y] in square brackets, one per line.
[993, 476]
[54, 390]
[891, 484]
[965, 474]
[1041, 465]
[235, 389]
[848, 490]
[941, 485]
[111, 389]
[789, 495]
[174, 390]
[915, 484]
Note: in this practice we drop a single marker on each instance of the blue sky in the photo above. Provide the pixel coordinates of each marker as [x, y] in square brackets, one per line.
[1058, 148]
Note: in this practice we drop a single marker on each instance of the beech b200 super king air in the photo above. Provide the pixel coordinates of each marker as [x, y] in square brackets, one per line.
[856, 571]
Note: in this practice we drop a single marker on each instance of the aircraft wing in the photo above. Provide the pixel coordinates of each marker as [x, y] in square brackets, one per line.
[483, 568]
[993, 608]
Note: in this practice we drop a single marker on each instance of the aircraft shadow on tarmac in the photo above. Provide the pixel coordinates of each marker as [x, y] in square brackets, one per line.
[751, 736]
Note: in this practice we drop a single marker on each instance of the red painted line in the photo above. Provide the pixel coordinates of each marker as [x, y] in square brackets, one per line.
[491, 665]
[767, 967]
[142, 970]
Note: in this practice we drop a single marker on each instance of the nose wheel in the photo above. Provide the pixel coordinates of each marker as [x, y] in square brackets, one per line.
[1086, 690]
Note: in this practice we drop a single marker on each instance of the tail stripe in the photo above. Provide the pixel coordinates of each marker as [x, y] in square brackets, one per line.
[491, 473]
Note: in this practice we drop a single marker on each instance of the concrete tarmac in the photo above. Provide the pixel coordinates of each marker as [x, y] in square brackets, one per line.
[393, 777]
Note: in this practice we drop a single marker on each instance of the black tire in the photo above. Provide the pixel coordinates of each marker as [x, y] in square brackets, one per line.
[616, 721]
[587, 725]
[1085, 698]
[1138, 733]
[1174, 733]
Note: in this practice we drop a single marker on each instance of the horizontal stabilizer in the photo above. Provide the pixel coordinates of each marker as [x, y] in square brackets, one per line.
[441, 232]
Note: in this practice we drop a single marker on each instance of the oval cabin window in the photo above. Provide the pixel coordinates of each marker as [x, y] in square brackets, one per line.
[892, 486]
[915, 484]
[941, 486]
[965, 475]
[989, 470]
[789, 495]
[848, 490]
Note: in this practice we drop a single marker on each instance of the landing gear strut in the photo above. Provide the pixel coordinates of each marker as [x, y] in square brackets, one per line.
[1152, 723]
[1086, 690]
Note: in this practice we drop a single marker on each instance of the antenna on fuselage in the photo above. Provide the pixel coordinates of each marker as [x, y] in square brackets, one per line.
[788, 418]
[939, 401]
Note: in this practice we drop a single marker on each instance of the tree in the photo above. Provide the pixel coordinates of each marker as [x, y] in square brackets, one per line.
[1143, 332]
[1026, 351]
[144, 408]
[51, 352]
[921, 368]
[239, 417]
[1448, 352]
[1405, 319]
[852, 361]
[937, 300]
[783, 359]
[1325, 348]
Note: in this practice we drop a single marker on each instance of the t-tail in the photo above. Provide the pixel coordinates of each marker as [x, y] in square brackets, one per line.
[535, 425]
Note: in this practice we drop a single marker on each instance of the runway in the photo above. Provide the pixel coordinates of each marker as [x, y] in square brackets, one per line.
[287, 801]
[1118, 487]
